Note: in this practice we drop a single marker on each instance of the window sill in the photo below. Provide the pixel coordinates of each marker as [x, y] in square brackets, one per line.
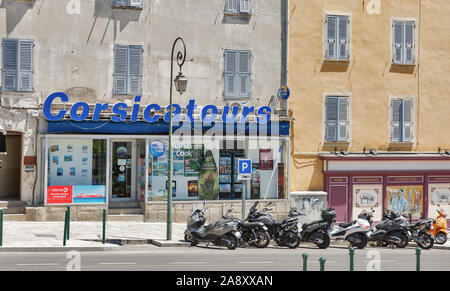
[403, 65]
[128, 7]
[333, 61]
[238, 14]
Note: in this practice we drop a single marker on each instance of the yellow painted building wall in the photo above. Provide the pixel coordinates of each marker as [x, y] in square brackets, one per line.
[369, 79]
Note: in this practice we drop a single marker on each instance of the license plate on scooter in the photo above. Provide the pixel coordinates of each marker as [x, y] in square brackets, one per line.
[265, 228]
[237, 234]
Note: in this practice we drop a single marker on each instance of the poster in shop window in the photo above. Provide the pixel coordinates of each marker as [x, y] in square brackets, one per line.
[192, 162]
[439, 198]
[209, 178]
[408, 199]
[366, 197]
[266, 159]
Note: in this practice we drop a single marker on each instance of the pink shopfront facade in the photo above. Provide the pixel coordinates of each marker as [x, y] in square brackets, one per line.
[416, 184]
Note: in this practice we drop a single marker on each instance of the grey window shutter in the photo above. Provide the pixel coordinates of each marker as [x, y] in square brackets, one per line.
[120, 3]
[331, 41]
[407, 120]
[120, 69]
[331, 118]
[231, 6]
[25, 74]
[396, 128]
[398, 45]
[244, 6]
[409, 43]
[136, 3]
[244, 74]
[10, 64]
[134, 70]
[231, 73]
[343, 38]
[343, 118]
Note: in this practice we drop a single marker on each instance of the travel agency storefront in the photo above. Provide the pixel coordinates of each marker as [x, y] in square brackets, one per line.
[114, 157]
[417, 184]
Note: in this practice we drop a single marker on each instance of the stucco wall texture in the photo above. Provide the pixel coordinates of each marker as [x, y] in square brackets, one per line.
[369, 79]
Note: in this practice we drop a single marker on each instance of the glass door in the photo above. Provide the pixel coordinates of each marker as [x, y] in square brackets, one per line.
[123, 171]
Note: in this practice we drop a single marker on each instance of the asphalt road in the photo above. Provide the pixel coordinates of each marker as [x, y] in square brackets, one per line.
[273, 258]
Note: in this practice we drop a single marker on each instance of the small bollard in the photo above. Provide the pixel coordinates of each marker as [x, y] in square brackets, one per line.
[410, 218]
[1, 227]
[305, 262]
[65, 230]
[68, 223]
[322, 264]
[418, 250]
[352, 254]
[104, 226]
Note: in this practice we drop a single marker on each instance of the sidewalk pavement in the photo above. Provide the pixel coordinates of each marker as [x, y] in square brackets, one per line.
[87, 236]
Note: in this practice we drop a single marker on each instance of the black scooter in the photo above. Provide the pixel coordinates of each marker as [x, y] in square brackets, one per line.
[220, 233]
[318, 231]
[392, 230]
[282, 232]
[253, 233]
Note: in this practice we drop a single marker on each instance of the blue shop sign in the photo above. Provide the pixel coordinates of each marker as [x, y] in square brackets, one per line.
[209, 113]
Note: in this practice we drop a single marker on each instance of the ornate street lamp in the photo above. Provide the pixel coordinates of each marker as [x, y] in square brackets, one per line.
[181, 85]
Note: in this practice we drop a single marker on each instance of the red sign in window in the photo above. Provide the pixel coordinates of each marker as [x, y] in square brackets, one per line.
[59, 194]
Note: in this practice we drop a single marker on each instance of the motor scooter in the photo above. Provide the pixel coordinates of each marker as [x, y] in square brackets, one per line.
[439, 228]
[355, 232]
[220, 233]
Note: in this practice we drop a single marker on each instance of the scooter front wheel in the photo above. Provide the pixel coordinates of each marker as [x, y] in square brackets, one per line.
[441, 238]
[291, 240]
[233, 242]
[263, 238]
[360, 241]
[426, 243]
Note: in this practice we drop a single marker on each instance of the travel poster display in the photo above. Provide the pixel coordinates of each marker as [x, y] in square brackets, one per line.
[209, 178]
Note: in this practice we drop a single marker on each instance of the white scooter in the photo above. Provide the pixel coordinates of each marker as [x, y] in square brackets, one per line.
[355, 232]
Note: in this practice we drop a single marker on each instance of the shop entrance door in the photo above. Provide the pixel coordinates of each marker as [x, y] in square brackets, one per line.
[123, 171]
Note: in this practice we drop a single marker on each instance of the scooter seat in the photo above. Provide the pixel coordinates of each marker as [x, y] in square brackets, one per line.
[346, 224]
[253, 224]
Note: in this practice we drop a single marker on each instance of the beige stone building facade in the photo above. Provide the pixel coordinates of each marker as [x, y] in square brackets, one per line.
[370, 82]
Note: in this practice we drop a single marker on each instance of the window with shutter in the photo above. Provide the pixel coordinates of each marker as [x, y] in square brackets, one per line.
[237, 74]
[337, 121]
[17, 72]
[337, 38]
[238, 6]
[128, 3]
[127, 70]
[402, 123]
[403, 44]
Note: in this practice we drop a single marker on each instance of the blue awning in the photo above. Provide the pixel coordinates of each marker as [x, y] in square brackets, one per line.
[280, 128]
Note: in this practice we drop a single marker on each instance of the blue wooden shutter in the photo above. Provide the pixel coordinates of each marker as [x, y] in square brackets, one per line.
[398, 44]
[25, 73]
[343, 37]
[134, 70]
[407, 120]
[244, 74]
[10, 64]
[396, 127]
[231, 73]
[331, 41]
[343, 119]
[331, 119]
[120, 69]
[409, 43]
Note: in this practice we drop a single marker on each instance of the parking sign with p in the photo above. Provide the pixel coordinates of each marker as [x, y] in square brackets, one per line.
[245, 169]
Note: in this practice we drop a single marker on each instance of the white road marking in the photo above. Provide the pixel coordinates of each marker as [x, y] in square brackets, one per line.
[382, 261]
[266, 262]
[188, 263]
[117, 263]
[43, 264]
